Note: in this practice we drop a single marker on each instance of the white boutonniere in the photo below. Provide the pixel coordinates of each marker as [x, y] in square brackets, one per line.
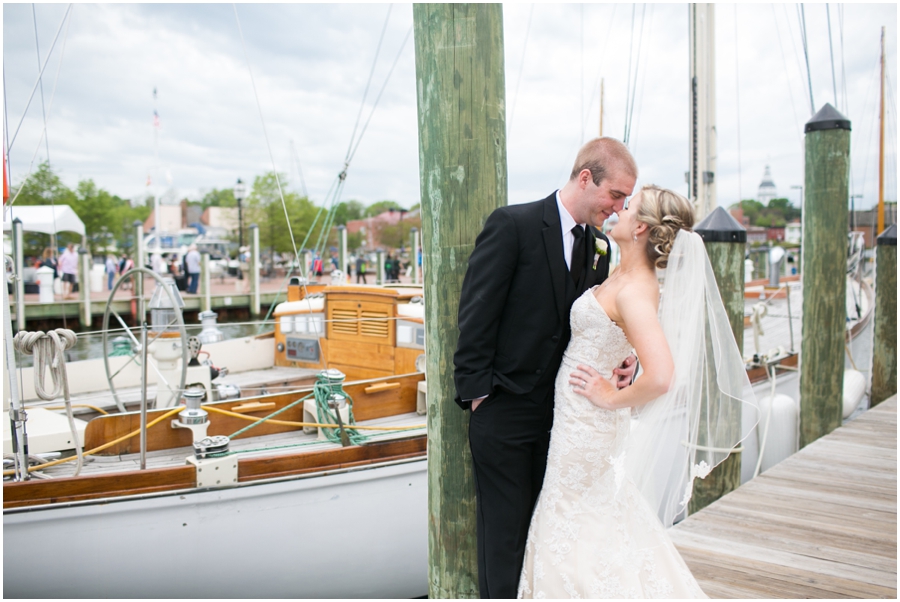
[600, 248]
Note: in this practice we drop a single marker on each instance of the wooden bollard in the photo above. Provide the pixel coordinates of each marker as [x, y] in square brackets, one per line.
[379, 272]
[205, 284]
[462, 170]
[884, 355]
[725, 240]
[825, 223]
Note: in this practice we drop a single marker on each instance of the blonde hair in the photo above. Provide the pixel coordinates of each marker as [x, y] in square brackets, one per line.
[665, 213]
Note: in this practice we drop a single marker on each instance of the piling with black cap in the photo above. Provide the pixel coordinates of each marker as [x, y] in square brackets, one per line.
[462, 171]
[884, 354]
[726, 241]
[825, 227]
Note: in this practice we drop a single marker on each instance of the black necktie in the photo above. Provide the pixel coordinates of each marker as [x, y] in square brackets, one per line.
[578, 256]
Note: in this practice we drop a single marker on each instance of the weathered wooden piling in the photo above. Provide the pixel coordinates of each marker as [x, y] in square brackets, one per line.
[725, 240]
[342, 252]
[254, 271]
[884, 355]
[462, 163]
[19, 264]
[84, 287]
[825, 224]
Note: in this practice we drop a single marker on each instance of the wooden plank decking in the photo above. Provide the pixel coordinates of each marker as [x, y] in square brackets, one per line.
[821, 524]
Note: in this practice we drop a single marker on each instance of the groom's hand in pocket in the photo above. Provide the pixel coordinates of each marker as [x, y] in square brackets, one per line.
[625, 373]
[477, 402]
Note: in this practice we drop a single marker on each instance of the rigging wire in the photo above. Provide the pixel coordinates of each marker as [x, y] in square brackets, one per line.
[581, 80]
[643, 87]
[43, 133]
[784, 60]
[737, 95]
[296, 158]
[843, 67]
[362, 103]
[265, 132]
[831, 50]
[876, 73]
[37, 49]
[596, 85]
[519, 77]
[812, 104]
[628, 84]
[34, 88]
[790, 30]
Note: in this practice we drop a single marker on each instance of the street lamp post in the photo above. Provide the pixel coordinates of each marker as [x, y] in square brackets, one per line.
[240, 193]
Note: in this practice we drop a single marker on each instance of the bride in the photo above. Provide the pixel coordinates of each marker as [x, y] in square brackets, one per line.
[622, 462]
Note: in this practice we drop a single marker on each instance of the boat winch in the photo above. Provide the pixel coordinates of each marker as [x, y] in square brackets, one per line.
[193, 417]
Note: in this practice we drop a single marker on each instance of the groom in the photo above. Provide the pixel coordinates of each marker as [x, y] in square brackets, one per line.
[529, 264]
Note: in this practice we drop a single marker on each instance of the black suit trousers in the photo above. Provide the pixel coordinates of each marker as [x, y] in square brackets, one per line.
[509, 437]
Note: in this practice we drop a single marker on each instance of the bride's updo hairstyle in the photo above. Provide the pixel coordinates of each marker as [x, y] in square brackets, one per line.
[665, 213]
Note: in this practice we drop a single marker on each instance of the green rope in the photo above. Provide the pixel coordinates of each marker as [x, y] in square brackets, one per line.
[323, 389]
[272, 415]
[300, 444]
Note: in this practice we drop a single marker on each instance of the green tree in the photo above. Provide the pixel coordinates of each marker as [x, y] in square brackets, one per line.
[219, 197]
[263, 207]
[380, 207]
[348, 211]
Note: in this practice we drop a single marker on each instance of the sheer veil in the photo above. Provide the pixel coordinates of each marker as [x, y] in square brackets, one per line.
[693, 427]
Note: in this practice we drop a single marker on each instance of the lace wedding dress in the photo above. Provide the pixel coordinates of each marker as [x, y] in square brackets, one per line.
[593, 535]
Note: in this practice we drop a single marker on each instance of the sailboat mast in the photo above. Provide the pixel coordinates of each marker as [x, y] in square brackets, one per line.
[702, 107]
[881, 147]
[601, 107]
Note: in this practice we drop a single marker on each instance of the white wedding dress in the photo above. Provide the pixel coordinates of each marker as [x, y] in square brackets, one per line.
[592, 534]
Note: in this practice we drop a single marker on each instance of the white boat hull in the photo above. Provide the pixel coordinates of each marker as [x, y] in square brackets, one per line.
[354, 534]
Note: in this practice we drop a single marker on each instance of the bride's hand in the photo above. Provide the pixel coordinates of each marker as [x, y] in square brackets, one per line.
[587, 382]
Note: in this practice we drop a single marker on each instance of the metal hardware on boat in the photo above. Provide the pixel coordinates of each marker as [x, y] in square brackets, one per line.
[210, 332]
[225, 391]
[333, 376]
[163, 315]
[337, 402]
[193, 417]
[217, 444]
[18, 415]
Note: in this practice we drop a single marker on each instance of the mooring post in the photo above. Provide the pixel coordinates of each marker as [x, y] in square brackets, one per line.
[139, 263]
[254, 270]
[19, 259]
[725, 240]
[884, 355]
[205, 289]
[414, 254]
[306, 265]
[462, 172]
[342, 252]
[84, 286]
[379, 272]
[825, 223]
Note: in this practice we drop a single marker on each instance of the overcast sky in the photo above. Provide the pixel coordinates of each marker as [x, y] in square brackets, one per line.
[311, 63]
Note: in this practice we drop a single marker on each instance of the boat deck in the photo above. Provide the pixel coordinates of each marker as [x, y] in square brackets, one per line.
[268, 445]
[821, 524]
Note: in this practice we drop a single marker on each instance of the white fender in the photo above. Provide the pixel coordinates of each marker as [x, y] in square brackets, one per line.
[783, 436]
[854, 390]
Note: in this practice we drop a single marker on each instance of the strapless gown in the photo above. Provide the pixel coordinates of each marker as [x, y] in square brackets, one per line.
[592, 534]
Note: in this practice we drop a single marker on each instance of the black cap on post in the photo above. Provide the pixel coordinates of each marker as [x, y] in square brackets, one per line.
[828, 118]
[888, 237]
[720, 226]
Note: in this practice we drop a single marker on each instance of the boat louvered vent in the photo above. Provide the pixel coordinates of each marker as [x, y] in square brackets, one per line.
[345, 321]
[374, 324]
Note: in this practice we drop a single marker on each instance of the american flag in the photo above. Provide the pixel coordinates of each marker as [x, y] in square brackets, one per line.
[155, 119]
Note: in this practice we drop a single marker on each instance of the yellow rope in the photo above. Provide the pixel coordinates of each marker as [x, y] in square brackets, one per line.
[313, 424]
[105, 445]
[218, 411]
[74, 405]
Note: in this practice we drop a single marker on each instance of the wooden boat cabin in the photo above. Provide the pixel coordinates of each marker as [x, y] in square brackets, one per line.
[363, 331]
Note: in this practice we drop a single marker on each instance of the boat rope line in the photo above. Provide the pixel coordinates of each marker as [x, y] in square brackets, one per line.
[784, 60]
[512, 113]
[843, 68]
[43, 133]
[643, 86]
[49, 351]
[37, 49]
[831, 51]
[597, 79]
[790, 30]
[631, 89]
[362, 102]
[40, 75]
[812, 104]
[265, 131]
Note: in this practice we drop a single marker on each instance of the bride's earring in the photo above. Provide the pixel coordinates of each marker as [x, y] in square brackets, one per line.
[634, 237]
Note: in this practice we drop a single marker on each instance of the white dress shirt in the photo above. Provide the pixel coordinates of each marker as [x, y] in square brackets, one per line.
[567, 222]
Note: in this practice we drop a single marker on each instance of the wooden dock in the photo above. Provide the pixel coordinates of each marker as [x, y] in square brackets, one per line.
[821, 524]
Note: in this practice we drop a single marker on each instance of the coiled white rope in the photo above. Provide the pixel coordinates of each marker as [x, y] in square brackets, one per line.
[49, 350]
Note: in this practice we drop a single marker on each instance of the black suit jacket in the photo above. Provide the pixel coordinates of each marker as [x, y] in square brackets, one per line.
[515, 301]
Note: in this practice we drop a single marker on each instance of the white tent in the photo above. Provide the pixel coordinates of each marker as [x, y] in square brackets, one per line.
[48, 219]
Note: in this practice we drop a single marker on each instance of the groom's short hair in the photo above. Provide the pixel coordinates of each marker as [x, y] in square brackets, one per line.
[602, 154]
